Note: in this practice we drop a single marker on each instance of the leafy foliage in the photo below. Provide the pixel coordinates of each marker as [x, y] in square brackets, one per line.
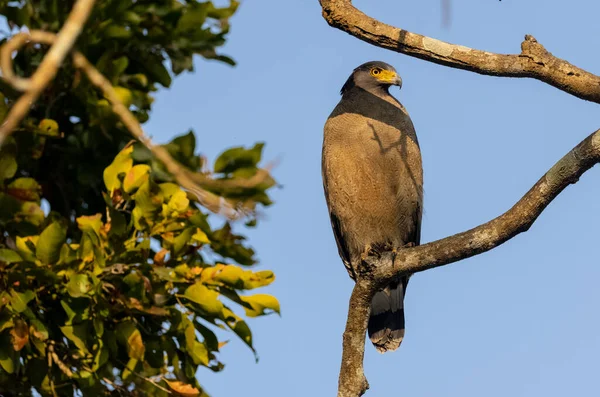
[118, 288]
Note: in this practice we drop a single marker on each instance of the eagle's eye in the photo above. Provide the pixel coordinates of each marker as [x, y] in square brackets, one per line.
[375, 71]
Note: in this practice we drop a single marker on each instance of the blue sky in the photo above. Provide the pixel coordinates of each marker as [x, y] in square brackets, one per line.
[521, 320]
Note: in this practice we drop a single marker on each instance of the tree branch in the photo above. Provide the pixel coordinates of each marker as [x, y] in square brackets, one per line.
[352, 380]
[376, 272]
[534, 61]
[34, 86]
[61, 44]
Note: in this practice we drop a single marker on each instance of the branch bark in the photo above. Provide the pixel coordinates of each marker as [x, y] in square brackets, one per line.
[534, 61]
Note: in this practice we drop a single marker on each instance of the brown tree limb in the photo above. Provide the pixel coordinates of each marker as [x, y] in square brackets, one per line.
[376, 272]
[534, 61]
[34, 86]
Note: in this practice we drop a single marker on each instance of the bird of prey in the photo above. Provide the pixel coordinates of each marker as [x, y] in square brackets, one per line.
[373, 181]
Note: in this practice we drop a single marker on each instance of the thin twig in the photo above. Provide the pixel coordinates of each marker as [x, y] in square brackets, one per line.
[147, 379]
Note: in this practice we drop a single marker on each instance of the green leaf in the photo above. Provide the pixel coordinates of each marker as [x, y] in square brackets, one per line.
[238, 157]
[197, 351]
[148, 198]
[131, 338]
[119, 65]
[261, 304]
[39, 330]
[118, 224]
[8, 162]
[25, 189]
[186, 144]
[79, 285]
[50, 242]
[210, 339]
[6, 320]
[19, 300]
[181, 241]
[7, 358]
[193, 17]
[223, 12]
[156, 70]
[117, 32]
[206, 299]
[239, 327]
[77, 334]
[9, 256]
[71, 314]
[32, 213]
[3, 107]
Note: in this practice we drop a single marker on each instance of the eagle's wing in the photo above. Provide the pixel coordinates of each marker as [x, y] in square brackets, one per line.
[343, 249]
[341, 244]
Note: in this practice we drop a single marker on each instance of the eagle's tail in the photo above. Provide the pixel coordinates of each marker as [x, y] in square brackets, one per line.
[386, 324]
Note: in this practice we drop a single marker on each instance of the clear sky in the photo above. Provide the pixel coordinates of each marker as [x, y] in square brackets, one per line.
[521, 320]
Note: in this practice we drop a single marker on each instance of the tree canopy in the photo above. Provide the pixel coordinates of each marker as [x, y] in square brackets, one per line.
[113, 278]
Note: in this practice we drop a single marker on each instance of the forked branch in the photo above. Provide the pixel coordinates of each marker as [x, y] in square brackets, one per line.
[534, 60]
[380, 271]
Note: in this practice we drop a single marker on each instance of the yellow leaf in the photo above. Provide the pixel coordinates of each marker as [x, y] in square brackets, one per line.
[135, 177]
[24, 247]
[201, 237]
[183, 389]
[222, 344]
[179, 202]
[120, 165]
[205, 298]
[131, 338]
[169, 189]
[91, 223]
[124, 95]
[261, 304]
[48, 127]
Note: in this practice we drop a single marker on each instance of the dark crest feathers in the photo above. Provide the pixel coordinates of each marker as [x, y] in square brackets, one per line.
[365, 66]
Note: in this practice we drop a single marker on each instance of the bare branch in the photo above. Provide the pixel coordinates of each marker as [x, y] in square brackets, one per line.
[380, 271]
[352, 381]
[34, 86]
[534, 61]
